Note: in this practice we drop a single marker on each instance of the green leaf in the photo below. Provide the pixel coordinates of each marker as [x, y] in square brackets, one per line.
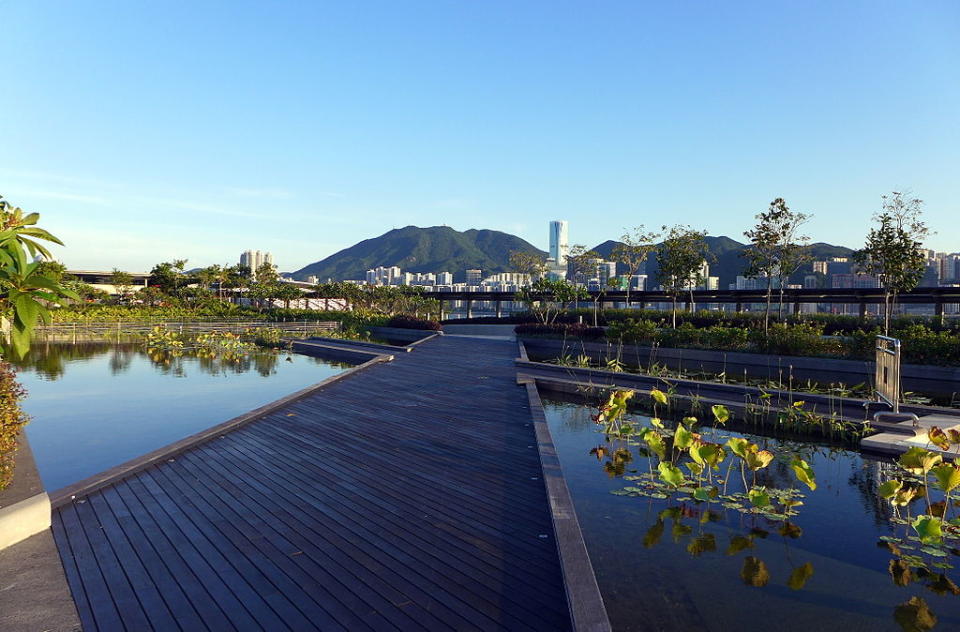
[720, 413]
[929, 528]
[655, 442]
[948, 476]
[704, 494]
[26, 310]
[739, 446]
[759, 497]
[671, 474]
[658, 396]
[803, 472]
[682, 438]
[890, 488]
[800, 576]
[758, 460]
[919, 461]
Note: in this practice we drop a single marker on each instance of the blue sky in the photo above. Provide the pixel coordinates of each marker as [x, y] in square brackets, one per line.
[147, 131]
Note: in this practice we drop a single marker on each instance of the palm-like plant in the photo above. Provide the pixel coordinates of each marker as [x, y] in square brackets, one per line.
[26, 291]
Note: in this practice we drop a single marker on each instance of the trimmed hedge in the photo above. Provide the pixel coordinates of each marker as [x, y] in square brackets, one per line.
[403, 321]
[921, 345]
[572, 330]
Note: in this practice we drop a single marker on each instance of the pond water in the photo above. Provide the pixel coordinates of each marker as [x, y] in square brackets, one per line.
[670, 564]
[95, 405]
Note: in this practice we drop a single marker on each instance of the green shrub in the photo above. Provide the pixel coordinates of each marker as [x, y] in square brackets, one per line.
[12, 419]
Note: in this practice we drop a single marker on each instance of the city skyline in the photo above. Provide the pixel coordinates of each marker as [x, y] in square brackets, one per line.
[356, 119]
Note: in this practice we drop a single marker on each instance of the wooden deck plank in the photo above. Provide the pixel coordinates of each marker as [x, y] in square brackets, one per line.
[406, 497]
[363, 575]
[367, 532]
[396, 499]
[471, 550]
[178, 585]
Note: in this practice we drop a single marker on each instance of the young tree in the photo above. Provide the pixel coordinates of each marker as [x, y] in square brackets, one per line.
[547, 298]
[776, 249]
[632, 251]
[123, 281]
[680, 259]
[530, 263]
[582, 264]
[167, 276]
[894, 249]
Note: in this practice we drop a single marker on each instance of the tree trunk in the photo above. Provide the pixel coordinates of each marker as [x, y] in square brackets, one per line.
[766, 316]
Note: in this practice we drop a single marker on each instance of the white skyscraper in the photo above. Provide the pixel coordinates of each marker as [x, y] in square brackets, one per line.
[559, 246]
[253, 259]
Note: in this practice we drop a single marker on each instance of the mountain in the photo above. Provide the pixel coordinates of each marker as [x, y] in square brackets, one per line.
[728, 260]
[415, 249]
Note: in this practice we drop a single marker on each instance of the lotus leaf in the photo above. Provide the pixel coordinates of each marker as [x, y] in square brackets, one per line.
[659, 396]
[929, 528]
[939, 438]
[683, 438]
[804, 472]
[758, 460]
[919, 461]
[671, 474]
[890, 488]
[720, 413]
[759, 497]
[947, 475]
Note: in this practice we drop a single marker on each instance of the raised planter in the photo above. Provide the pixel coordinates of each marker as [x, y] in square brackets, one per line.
[933, 380]
[24, 505]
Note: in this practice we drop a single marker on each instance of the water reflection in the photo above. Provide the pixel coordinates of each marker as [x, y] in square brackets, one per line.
[813, 564]
[50, 360]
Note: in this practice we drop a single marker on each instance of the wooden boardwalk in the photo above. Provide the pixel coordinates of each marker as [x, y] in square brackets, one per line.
[408, 496]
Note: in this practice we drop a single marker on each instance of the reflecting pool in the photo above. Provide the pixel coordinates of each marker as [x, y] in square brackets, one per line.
[668, 562]
[95, 405]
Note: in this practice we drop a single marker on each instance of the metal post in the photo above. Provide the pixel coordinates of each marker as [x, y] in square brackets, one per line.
[469, 308]
[499, 308]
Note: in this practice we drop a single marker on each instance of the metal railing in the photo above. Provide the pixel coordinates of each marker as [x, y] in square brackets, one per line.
[887, 375]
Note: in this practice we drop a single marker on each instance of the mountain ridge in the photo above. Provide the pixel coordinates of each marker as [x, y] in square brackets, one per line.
[441, 248]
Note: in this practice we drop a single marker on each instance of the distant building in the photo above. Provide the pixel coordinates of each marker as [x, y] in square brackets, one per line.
[253, 259]
[384, 275]
[559, 244]
[474, 277]
[445, 278]
[103, 280]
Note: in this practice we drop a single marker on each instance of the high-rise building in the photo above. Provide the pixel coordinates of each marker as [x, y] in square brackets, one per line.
[253, 259]
[445, 278]
[474, 277]
[559, 245]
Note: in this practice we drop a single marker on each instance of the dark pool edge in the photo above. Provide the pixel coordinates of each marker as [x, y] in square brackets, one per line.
[362, 344]
[587, 611]
[97, 481]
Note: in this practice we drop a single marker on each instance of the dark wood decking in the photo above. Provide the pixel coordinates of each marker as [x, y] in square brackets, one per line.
[408, 496]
